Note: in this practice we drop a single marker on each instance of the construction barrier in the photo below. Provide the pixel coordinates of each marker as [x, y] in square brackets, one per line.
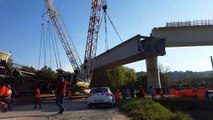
[200, 93]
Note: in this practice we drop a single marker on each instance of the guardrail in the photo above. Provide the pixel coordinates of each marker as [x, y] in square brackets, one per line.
[189, 23]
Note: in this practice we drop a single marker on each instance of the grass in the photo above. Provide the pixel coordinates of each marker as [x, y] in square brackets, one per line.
[145, 109]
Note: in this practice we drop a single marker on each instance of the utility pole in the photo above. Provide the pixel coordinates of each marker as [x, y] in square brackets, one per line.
[211, 61]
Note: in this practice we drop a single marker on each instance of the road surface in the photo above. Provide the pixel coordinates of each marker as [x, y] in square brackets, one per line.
[73, 111]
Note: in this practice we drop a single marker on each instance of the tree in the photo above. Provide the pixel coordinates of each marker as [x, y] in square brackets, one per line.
[115, 78]
[30, 69]
[165, 82]
[141, 81]
[47, 72]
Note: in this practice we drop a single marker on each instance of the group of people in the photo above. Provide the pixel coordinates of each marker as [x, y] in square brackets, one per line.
[129, 93]
[141, 93]
[153, 92]
[60, 94]
[6, 95]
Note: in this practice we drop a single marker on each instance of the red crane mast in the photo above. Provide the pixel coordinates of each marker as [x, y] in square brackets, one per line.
[84, 71]
[92, 39]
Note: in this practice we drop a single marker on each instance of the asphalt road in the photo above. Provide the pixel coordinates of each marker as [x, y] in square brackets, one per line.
[76, 110]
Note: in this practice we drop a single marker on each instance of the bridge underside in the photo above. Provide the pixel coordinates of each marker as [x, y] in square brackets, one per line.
[132, 50]
[178, 36]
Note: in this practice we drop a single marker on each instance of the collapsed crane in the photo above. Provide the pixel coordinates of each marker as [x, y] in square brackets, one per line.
[84, 71]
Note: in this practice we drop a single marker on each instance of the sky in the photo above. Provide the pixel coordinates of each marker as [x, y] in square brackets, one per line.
[20, 29]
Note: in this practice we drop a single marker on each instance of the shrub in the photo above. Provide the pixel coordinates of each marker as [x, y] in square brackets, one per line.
[181, 116]
[135, 104]
[143, 109]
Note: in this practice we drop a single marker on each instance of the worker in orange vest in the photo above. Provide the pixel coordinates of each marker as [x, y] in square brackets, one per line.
[5, 96]
[69, 95]
[37, 98]
[161, 92]
[61, 91]
[118, 95]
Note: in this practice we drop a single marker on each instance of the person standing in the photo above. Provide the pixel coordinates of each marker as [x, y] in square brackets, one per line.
[5, 96]
[14, 93]
[37, 98]
[155, 93]
[151, 91]
[132, 90]
[60, 92]
[141, 92]
[118, 95]
[69, 96]
[161, 93]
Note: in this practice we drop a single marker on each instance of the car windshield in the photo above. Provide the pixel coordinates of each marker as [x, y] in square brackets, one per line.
[99, 90]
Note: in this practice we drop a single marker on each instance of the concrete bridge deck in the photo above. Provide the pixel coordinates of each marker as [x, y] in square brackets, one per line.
[185, 35]
[134, 49]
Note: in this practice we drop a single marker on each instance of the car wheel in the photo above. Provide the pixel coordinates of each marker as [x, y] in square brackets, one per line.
[96, 106]
[111, 105]
[89, 106]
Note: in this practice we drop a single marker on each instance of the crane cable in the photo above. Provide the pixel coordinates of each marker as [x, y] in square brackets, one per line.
[114, 27]
[105, 23]
[40, 47]
[105, 14]
[45, 46]
[48, 39]
[55, 47]
[53, 43]
[41, 36]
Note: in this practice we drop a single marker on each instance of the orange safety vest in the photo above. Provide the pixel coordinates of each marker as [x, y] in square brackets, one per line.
[118, 96]
[161, 92]
[5, 91]
[69, 94]
[37, 95]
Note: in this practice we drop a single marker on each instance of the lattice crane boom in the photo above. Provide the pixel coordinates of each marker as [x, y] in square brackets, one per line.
[64, 36]
[92, 39]
[86, 69]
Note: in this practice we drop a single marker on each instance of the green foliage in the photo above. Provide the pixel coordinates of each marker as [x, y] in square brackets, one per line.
[181, 116]
[30, 69]
[142, 80]
[47, 72]
[115, 78]
[143, 109]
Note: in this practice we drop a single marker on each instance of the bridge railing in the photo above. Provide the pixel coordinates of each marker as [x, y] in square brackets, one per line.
[189, 23]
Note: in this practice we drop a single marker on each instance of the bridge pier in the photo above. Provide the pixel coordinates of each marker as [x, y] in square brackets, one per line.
[153, 75]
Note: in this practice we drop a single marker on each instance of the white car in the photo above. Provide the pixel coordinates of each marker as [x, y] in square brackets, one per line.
[210, 94]
[100, 96]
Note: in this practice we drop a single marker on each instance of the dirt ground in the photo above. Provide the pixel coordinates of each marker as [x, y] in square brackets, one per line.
[76, 110]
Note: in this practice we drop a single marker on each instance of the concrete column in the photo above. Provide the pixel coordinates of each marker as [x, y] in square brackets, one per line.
[153, 75]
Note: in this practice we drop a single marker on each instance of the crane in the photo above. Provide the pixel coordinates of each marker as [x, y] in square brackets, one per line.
[84, 71]
[92, 38]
